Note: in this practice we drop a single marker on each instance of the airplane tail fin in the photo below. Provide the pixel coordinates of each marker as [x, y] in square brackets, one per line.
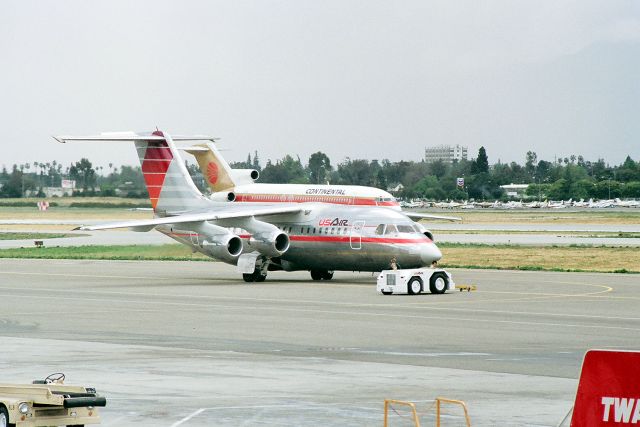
[215, 169]
[170, 187]
[168, 182]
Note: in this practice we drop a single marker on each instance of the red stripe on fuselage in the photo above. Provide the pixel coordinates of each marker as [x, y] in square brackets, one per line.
[347, 239]
[298, 198]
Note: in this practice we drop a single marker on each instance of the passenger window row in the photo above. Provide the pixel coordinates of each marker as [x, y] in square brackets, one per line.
[320, 230]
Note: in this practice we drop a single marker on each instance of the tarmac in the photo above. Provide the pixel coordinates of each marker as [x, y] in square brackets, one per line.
[191, 344]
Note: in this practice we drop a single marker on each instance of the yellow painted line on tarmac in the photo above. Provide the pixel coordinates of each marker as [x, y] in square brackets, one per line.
[405, 304]
[530, 296]
[605, 289]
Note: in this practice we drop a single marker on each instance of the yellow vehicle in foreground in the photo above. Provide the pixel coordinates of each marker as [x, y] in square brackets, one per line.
[49, 402]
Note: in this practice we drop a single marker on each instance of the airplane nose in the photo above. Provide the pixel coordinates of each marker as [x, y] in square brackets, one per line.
[430, 253]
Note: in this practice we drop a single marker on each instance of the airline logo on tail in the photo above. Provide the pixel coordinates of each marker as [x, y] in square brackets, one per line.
[218, 174]
[212, 172]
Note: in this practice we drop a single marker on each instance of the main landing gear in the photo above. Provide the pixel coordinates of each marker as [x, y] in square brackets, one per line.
[259, 273]
[318, 274]
[256, 276]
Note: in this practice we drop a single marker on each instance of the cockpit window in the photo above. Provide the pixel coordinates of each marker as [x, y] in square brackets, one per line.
[391, 229]
[380, 229]
[405, 229]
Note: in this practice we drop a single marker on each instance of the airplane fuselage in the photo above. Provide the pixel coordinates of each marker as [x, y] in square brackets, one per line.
[351, 195]
[332, 237]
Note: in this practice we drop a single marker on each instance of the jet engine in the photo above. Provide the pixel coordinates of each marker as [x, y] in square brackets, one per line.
[244, 176]
[223, 196]
[266, 238]
[218, 242]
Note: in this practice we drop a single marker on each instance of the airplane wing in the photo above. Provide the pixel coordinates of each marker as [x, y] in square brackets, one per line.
[419, 216]
[148, 224]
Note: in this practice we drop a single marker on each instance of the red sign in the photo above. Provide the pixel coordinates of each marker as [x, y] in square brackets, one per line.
[609, 390]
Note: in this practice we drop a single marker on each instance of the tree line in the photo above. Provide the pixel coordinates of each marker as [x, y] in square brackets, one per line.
[564, 178]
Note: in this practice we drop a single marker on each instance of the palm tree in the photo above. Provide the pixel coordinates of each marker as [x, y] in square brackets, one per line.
[22, 179]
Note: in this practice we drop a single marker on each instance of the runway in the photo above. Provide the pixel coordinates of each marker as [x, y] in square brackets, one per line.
[179, 343]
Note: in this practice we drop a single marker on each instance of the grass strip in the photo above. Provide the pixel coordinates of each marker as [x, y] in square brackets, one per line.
[552, 216]
[35, 236]
[584, 258]
[102, 202]
[576, 258]
[169, 252]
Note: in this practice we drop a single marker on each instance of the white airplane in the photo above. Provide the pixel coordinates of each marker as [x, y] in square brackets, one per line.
[238, 185]
[627, 203]
[414, 204]
[556, 205]
[448, 205]
[601, 204]
[261, 237]
[512, 205]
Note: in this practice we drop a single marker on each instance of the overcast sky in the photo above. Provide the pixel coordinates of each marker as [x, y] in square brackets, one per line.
[360, 79]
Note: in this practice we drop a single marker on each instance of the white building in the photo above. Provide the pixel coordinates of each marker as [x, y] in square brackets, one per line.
[446, 153]
[515, 190]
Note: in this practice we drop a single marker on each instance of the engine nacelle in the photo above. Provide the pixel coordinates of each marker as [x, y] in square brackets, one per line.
[244, 176]
[218, 242]
[270, 245]
[266, 238]
[223, 196]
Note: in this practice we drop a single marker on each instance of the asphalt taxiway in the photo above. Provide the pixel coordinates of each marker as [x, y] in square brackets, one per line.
[189, 343]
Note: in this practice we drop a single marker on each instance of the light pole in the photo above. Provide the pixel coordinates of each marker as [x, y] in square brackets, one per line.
[614, 178]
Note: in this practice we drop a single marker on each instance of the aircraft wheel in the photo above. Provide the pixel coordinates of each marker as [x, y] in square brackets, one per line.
[438, 283]
[386, 292]
[316, 274]
[260, 277]
[248, 277]
[414, 286]
[327, 275]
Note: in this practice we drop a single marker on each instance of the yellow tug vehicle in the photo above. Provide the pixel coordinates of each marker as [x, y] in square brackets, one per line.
[49, 402]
